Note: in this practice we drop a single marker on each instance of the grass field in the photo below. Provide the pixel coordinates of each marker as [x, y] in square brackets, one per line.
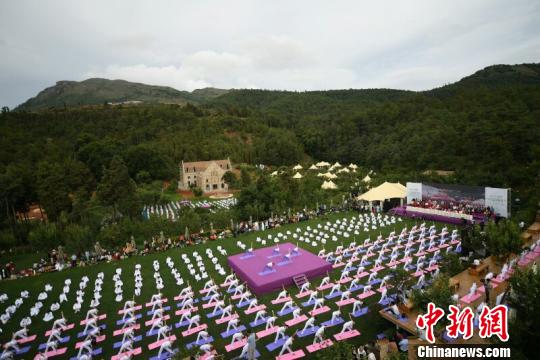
[369, 325]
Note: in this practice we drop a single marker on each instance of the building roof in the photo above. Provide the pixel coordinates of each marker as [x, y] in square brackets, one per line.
[202, 165]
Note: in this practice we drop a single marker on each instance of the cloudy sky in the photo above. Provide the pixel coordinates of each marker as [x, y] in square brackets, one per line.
[295, 45]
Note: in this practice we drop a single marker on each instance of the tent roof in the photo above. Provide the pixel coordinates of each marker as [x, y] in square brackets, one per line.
[328, 185]
[353, 166]
[329, 175]
[322, 163]
[313, 167]
[366, 178]
[384, 191]
[274, 173]
[297, 176]
[298, 167]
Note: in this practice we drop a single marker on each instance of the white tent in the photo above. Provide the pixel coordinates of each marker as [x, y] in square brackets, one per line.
[320, 174]
[298, 167]
[346, 170]
[329, 175]
[274, 173]
[384, 191]
[297, 176]
[353, 166]
[336, 164]
[313, 167]
[328, 185]
[366, 179]
[322, 164]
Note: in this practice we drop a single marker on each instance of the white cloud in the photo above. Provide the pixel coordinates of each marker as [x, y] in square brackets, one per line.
[300, 45]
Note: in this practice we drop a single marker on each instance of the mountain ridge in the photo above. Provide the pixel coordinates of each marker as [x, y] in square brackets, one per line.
[97, 91]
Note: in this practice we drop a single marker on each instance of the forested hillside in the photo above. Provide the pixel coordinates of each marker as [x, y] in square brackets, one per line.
[485, 128]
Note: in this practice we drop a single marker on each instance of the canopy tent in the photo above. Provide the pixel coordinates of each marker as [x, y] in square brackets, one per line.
[322, 164]
[298, 167]
[313, 167]
[336, 164]
[353, 166]
[274, 173]
[346, 170]
[297, 176]
[329, 175]
[366, 179]
[320, 174]
[384, 191]
[328, 185]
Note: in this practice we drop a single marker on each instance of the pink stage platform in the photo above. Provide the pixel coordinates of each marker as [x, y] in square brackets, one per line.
[250, 268]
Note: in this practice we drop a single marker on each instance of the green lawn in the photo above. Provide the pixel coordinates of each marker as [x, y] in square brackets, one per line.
[369, 325]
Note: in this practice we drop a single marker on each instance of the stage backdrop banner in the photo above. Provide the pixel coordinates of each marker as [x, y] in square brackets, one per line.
[414, 191]
[498, 200]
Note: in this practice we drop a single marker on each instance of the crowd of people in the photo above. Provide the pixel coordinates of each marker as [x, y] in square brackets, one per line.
[461, 207]
[58, 259]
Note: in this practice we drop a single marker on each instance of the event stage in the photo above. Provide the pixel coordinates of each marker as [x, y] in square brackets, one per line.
[405, 212]
[249, 268]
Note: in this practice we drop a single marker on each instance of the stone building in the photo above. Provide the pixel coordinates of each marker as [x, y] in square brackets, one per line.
[206, 175]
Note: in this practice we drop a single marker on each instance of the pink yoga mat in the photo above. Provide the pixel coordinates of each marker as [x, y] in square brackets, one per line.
[157, 344]
[135, 308]
[346, 335]
[49, 354]
[319, 311]
[282, 300]
[100, 317]
[345, 302]
[122, 331]
[27, 339]
[133, 352]
[194, 330]
[264, 333]
[255, 309]
[66, 328]
[296, 321]
[291, 356]
[228, 318]
[98, 339]
[151, 322]
[236, 345]
[163, 301]
[316, 347]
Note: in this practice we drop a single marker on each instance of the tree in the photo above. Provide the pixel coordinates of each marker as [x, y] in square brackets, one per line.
[503, 239]
[118, 190]
[439, 292]
[230, 178]
[52, 189]
[523, 301]
[340, 350]
[245, 178]
[45, 236]
[77, 238]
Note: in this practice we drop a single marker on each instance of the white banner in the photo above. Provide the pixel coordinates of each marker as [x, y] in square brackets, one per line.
[414, 191]
[498, 200]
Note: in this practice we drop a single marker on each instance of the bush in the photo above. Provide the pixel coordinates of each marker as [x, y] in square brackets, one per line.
[197, 192]
[45, 236]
